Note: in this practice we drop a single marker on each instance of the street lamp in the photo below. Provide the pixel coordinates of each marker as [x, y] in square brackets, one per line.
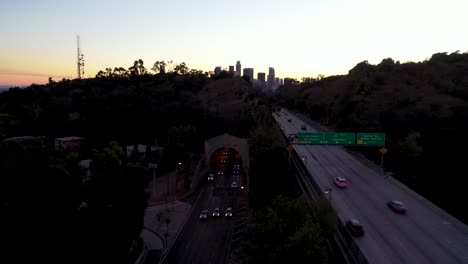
[329, 190]
[154, 166]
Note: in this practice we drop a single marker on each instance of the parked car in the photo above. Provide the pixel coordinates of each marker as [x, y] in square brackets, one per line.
[397, 206]
[354, 227]
[341, 182]
[204, 214]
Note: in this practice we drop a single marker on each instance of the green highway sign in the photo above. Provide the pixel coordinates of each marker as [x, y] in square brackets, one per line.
[326, 138]
[339, 139]
[370, 139]
[310, 138]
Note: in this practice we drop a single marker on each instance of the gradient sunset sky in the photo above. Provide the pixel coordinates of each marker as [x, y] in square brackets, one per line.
[296, 37]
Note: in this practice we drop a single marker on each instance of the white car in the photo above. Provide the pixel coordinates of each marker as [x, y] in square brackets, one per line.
[341, 182]
[216, 212]
[210, 177]
[234, 185]
[204, 214]
[228, 212]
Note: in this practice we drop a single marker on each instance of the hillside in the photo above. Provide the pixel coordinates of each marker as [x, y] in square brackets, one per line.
[422, 108]
[124, 108]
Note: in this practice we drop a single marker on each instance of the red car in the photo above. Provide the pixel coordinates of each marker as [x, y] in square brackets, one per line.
[397, 206]
[341, 182]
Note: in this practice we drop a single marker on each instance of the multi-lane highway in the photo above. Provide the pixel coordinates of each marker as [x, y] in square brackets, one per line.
[423, 235]
[207, 241]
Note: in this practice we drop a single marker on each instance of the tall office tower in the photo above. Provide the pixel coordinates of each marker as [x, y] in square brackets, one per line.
[238, 69]
[281, 82]
[271, 78]
[249, 72]
[217, 70]
[261, 77]
[231, 70]
[277, 81]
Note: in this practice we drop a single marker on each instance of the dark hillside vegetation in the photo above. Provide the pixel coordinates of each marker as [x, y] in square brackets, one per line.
[422, 107]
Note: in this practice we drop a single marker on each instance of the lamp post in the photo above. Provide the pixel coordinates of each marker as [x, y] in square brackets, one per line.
[329, 190]
[154, 166]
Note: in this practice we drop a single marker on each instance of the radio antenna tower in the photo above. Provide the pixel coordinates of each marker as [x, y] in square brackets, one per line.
[80, 59]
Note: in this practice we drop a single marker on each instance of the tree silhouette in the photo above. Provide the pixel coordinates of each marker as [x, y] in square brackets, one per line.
[137, 69]
[159, 67]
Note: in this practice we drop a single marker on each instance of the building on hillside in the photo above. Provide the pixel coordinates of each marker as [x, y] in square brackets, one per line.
[27, 140]
[271, 78]
[238, 68]
[250, 73]
[85, 166]
[261, 77]
[217, 71]
[143, 152]
[68, 144]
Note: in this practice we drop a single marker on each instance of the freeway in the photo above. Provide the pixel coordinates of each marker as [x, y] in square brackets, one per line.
[206, 241]
[423, 235]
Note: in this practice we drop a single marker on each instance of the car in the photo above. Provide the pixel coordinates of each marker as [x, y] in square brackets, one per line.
[220, 173]
[234, 185]
[341, 182]
[289, 120]
[204, 214]
[304, 127]
[210, 177]
[354, 227]
[228, 212]
[216, 212]
[397, 206]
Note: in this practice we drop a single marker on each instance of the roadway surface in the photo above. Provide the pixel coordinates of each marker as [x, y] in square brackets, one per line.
[423, 235]
[207, 241]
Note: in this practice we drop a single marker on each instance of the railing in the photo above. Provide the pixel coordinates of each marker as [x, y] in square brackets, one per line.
[343, 238]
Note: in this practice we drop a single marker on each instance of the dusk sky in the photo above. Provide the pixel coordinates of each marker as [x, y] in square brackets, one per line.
[296, 37]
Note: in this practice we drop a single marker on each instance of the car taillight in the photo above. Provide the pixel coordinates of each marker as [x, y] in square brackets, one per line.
[346, 183]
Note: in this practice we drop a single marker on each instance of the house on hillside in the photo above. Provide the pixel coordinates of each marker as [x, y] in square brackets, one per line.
[68, 144]
[140, 152]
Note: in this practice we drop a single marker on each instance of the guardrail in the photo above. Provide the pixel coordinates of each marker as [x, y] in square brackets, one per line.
[343, 238]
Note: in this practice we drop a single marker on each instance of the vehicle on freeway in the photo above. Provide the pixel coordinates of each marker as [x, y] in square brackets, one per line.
[216, 212]
[304, 127]
[210, 177]
[220, 173]
[204, 214]
[234, 185]
[341, 182]
[354, 227]
[228, 212]
[397, 206]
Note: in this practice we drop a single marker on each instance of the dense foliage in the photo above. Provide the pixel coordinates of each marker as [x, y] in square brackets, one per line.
[422, 108]
[99, 220]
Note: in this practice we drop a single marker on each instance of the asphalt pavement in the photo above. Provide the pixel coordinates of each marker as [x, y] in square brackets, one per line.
[423, 235]
[207, 241]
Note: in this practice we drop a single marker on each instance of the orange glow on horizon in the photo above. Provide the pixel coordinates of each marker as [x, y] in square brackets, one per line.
[21, 80]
